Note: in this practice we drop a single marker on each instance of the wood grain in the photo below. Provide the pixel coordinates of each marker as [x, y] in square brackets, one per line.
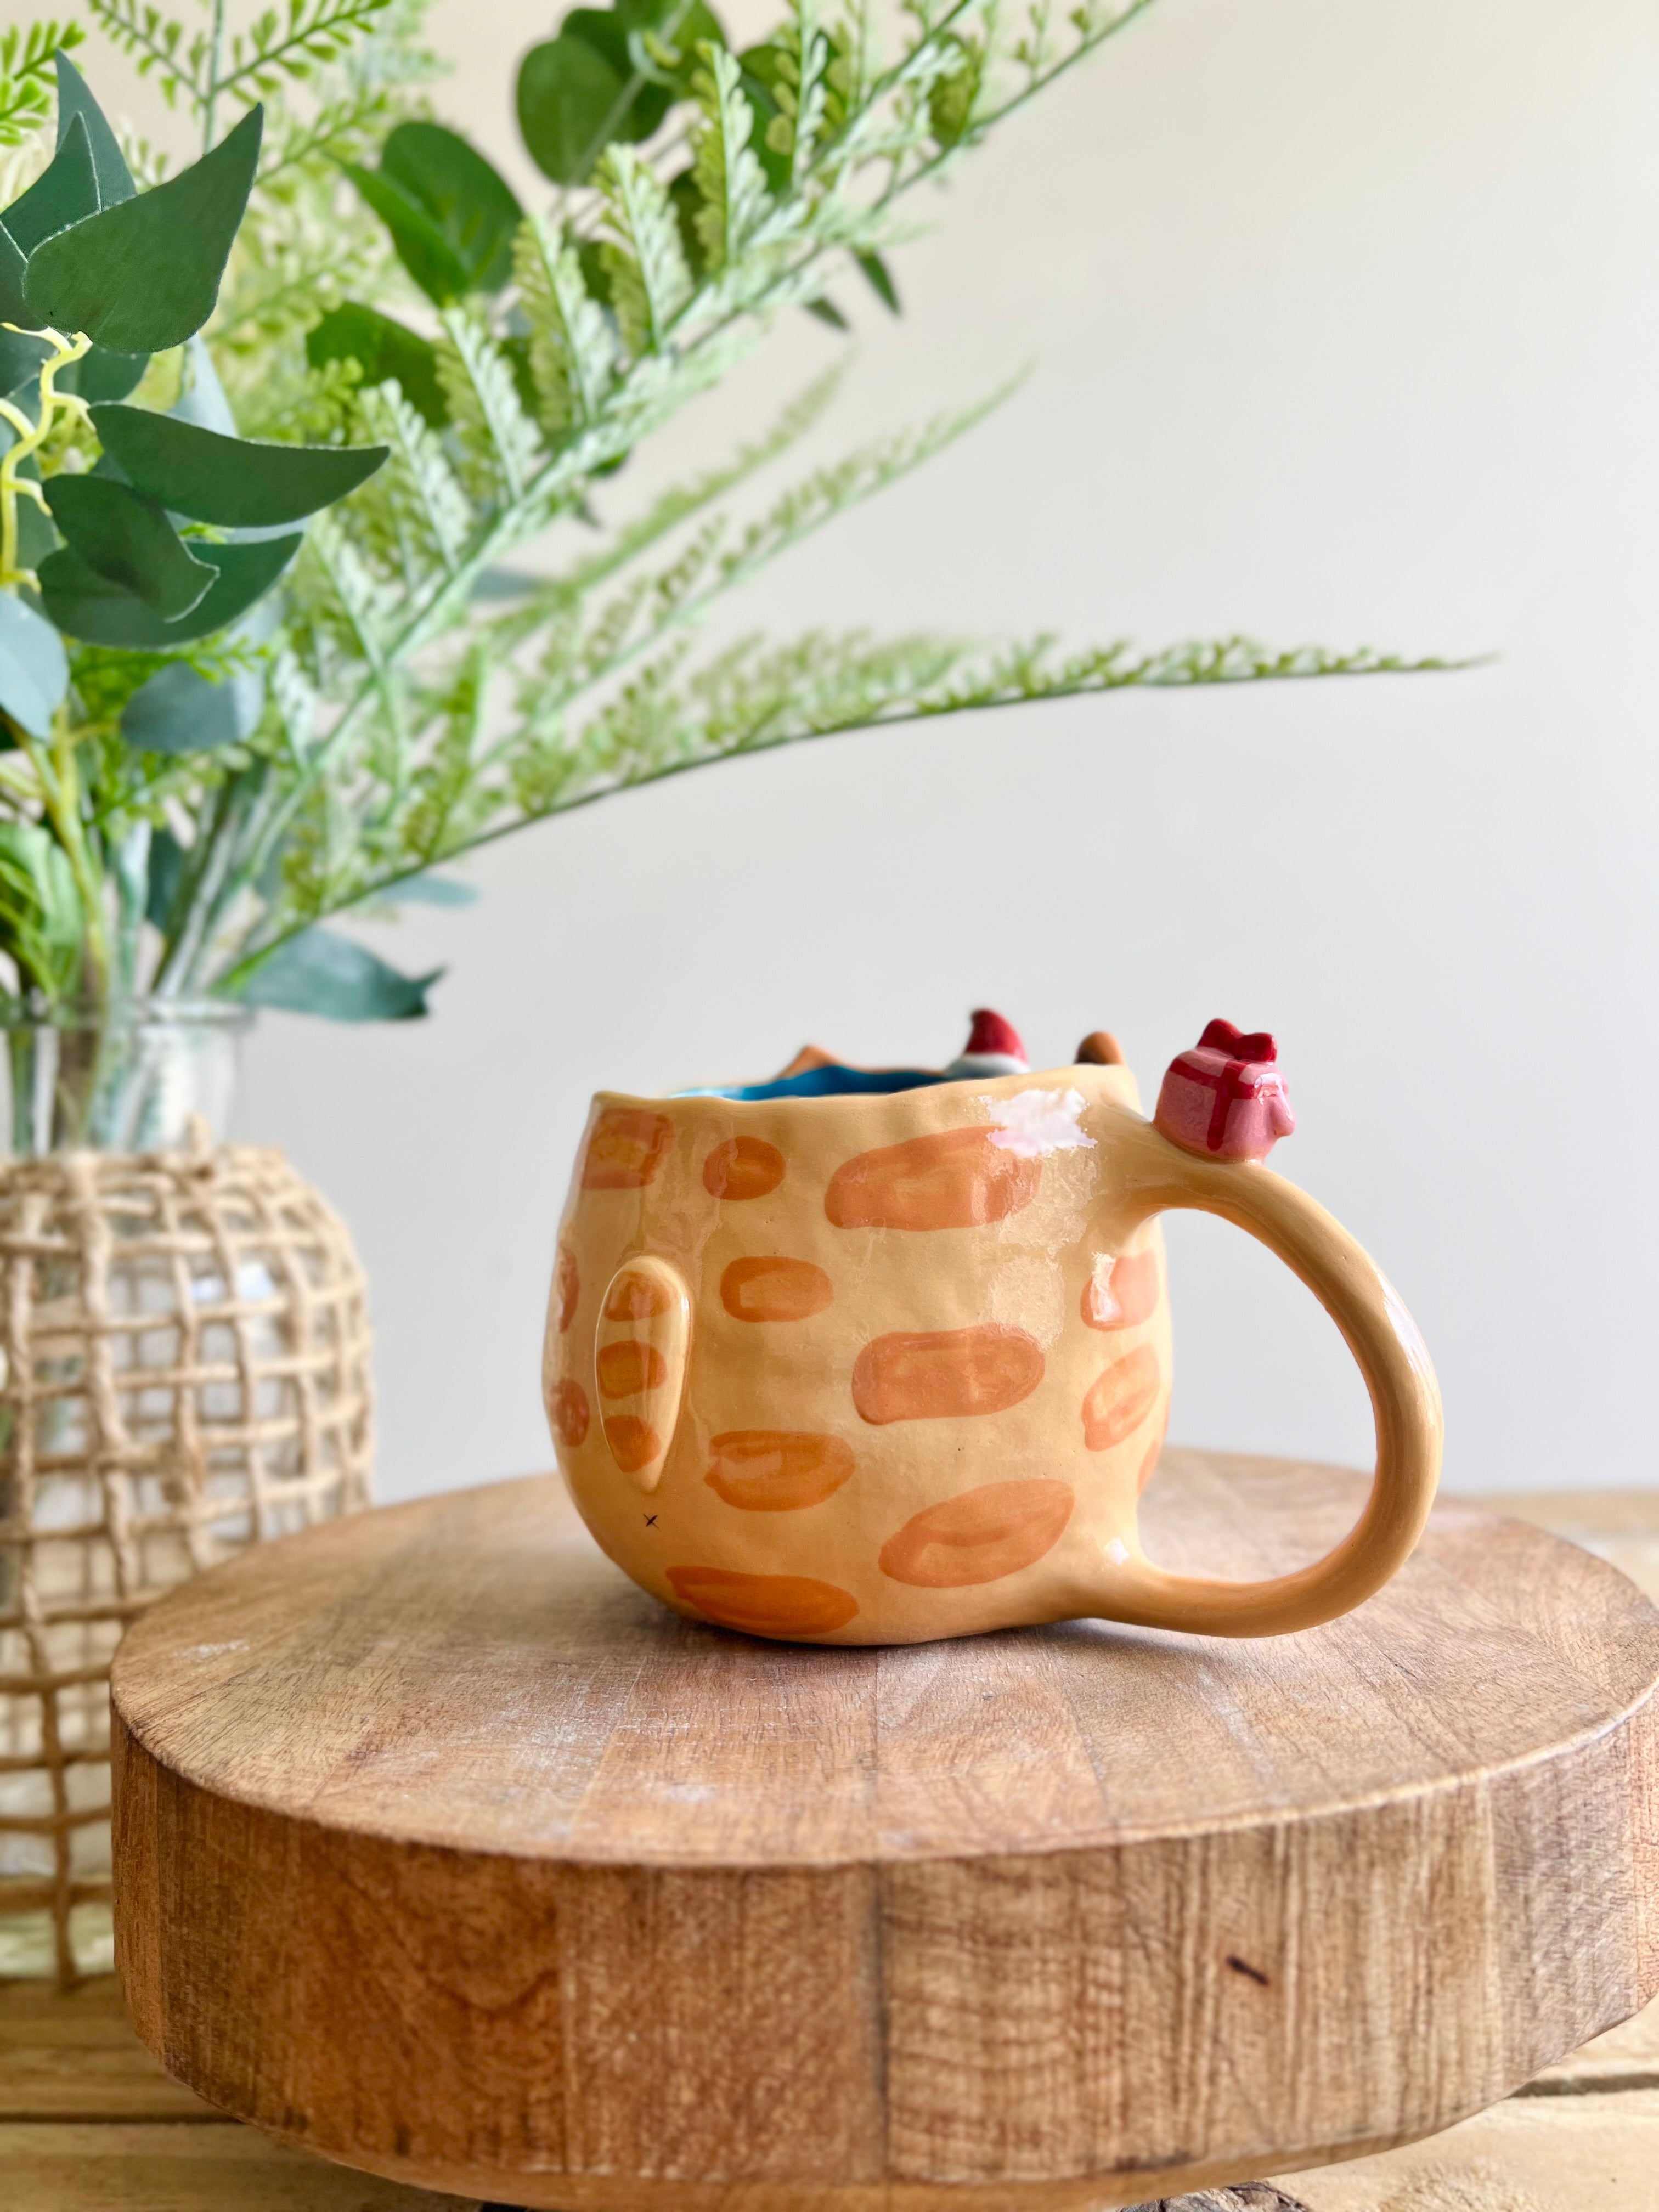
[444, 1850]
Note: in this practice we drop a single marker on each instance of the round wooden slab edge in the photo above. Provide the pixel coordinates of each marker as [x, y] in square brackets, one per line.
[452, 1856]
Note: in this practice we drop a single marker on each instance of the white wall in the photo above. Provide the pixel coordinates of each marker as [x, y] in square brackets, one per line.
[1343, 325]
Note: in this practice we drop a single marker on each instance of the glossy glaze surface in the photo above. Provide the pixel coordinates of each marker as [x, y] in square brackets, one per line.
[885, 1368]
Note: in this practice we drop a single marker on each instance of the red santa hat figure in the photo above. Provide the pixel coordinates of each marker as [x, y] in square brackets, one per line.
[992, 1048]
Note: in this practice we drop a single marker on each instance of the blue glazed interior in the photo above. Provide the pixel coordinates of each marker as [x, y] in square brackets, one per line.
[835, 1081]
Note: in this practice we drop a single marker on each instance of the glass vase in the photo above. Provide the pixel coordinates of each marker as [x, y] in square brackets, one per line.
[130, 1076]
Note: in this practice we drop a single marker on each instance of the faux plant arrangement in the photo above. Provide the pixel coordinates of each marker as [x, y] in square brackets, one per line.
[224, 732]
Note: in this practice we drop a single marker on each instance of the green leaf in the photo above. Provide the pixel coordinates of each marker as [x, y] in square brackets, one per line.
[179, 710]
[129, 541]
[12, 264]
[688, 204]
[39, 906]
[87, 606]
[663, 37]
[33, 666]
[470, 203]
[20, 356]
[572, 103]
[166, 869]
[763, 71]
[74, 99]
[35, 536]
[238, 483]
[64, 192]
[418, 242]
[384, 350]
[321, 972]
[144, 275]
[101, 375]
[827, 311]
[877, 275]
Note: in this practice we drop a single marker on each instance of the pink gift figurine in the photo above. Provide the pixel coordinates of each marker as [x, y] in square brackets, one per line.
[1226, 1097]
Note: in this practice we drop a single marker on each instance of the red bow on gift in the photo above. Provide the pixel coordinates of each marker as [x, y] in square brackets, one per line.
[1226, 1037]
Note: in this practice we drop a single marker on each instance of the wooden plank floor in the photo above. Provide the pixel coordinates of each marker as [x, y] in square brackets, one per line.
[88, 2122]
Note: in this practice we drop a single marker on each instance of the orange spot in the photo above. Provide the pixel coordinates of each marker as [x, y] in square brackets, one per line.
[636, 1297]
[979, 1536]
[925, 1377]
[570, 1287]
[628, 1367]
[633, 1443]
[777, 1470]
[1120, 1399]
[567, 1410]
[772, 1288]
[743, 1167]
[959, 1179]
[764, 1605]
[626, 1149]
[1122, 1292]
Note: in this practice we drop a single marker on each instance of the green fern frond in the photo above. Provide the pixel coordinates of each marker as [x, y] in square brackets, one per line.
[160, 46]
[26, 76]
[682, 502]
[573, 356]
[412, 514]
[643, 258]
[498, 439]
[289, 44]
[730, 179]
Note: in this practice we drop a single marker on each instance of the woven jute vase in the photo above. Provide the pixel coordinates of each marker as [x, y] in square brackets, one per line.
[184, 1371]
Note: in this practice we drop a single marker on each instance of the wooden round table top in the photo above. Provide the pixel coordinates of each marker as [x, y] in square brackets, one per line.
[442, 1849]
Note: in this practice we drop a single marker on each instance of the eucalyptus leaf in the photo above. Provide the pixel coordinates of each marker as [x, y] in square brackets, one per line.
[35, 536]
[240, 483]
[128, 539]
[322, 972]
[472, 205]
[14, 262]
[570, 100]
[33, 666]
[179, 710]
[166, 869]
[144, 275]
[416, 240]
[86, 606]
[827, 312]
[74, 99]
[65, 191]
[20, 355]
[384, 350]
[101, 375]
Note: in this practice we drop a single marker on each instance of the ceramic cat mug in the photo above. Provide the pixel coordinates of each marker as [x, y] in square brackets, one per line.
[870, 1357]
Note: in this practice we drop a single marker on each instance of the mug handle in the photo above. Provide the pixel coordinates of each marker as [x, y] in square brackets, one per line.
[1392, 1357]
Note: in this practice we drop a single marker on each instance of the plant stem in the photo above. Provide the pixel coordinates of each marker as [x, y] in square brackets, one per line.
[28, 439]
